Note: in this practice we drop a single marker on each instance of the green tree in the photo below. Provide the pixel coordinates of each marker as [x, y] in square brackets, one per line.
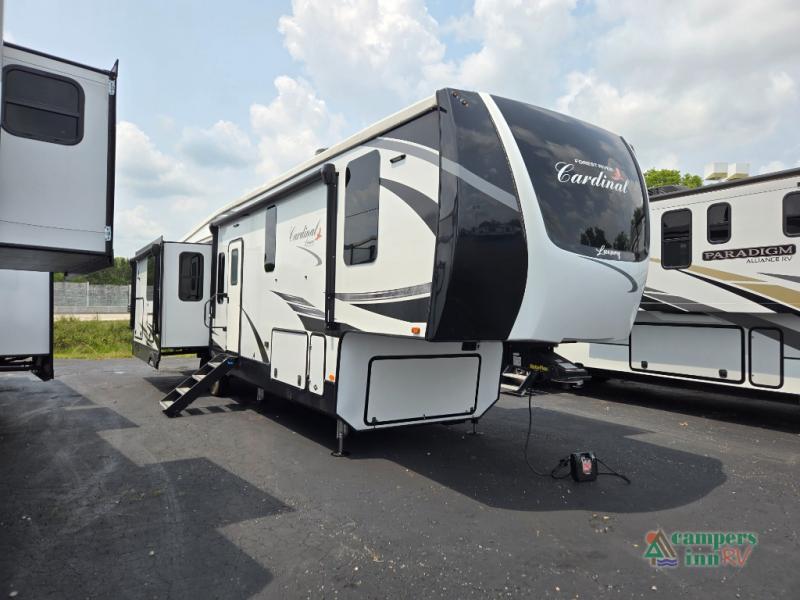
[658, 177]
[117, 274]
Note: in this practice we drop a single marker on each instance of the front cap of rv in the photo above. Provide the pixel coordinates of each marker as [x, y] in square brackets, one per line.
[585, 214]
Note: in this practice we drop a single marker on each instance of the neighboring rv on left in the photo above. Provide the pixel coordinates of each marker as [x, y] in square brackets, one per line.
[56, 191]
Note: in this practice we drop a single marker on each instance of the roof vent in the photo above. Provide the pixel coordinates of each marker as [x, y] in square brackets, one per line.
[319, 151]
[721, 171]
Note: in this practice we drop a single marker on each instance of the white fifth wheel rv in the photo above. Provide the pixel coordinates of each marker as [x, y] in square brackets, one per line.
[386, 281]
[56, 163]
[722, 302]
[26, 322]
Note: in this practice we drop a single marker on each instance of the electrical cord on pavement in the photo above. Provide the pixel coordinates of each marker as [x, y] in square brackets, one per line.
[564, 462]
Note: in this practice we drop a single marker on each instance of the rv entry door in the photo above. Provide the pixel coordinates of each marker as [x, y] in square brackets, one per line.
[235, 260]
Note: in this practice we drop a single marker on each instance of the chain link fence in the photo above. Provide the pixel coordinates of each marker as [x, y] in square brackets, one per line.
[71, 298]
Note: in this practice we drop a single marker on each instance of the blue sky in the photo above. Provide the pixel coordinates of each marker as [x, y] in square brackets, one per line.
[217, 98]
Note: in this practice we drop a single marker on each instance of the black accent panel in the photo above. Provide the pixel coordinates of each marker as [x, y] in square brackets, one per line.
[413, 311]
[425, 207]
[258, 374]
[481, 254]
[423, 130]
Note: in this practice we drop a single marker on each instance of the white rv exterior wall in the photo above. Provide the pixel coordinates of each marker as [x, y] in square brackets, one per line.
[54, 195]
[26, 318]
[182, 321]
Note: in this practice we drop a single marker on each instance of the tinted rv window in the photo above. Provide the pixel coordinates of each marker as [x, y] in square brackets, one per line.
[270, 239]
[791, 214]
[676, 239]
[190, 276]
[235, 267]
[42, 106]
[586, 182]
[719, 223]
[220, 276]
[362, 181]
[151, 277]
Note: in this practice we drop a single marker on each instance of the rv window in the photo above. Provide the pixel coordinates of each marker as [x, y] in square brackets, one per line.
[151, 277]
[676, 239]
[719, 223]
[270, 239]
[220, 277]
[42, 106]
[361, 209]
[190, 276]
[791, 214]
[235, 267]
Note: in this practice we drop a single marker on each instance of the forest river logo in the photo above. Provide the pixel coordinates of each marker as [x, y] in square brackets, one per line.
[306, 235]
[610, 178]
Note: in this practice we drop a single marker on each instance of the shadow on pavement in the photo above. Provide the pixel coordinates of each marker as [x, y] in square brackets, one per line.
[79, 519]
[490, 467]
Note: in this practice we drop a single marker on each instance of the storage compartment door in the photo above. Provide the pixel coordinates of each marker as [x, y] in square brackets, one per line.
[425, 387]
[694, 351]
[289, 357]
[316, 364]
[766, 357]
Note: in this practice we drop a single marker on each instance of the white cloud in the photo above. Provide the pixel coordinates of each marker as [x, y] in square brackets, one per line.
[145, 170]
[223, 145]
[689, 82]
[358, 52]
[293, 126]
[696, 80]
[775, 165]
[8, 37]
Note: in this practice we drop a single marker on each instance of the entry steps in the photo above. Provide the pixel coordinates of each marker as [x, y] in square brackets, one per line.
[198, 382]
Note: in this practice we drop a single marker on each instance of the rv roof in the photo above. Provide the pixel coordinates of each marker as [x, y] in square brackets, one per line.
[728, 184]
[370, 132]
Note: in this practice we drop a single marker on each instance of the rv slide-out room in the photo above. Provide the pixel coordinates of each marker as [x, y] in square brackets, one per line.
[382, 281]
[56, 163]
[170, 286]
[26, 322]
[722, 302]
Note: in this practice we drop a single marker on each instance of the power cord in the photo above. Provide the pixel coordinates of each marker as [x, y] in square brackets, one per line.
[564, 462]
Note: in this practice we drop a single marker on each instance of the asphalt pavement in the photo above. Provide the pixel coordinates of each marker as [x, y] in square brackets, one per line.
[101, 496]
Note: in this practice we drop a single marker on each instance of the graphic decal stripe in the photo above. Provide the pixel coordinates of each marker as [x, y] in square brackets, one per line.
[480, 184]
[605, 263]
[467, 176]
[786, 277]
[425, 206]
[261, 350]
[400, 146]
[314, 254]
[414, 290]
[766, 302]
[414, 311]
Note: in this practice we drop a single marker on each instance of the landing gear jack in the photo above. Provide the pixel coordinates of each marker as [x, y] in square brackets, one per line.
[474, 427]
[341, 432]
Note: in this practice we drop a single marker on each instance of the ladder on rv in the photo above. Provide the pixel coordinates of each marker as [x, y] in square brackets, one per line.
[198, 382]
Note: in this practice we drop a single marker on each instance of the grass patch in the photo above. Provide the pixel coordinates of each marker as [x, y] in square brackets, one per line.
[91, 339]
